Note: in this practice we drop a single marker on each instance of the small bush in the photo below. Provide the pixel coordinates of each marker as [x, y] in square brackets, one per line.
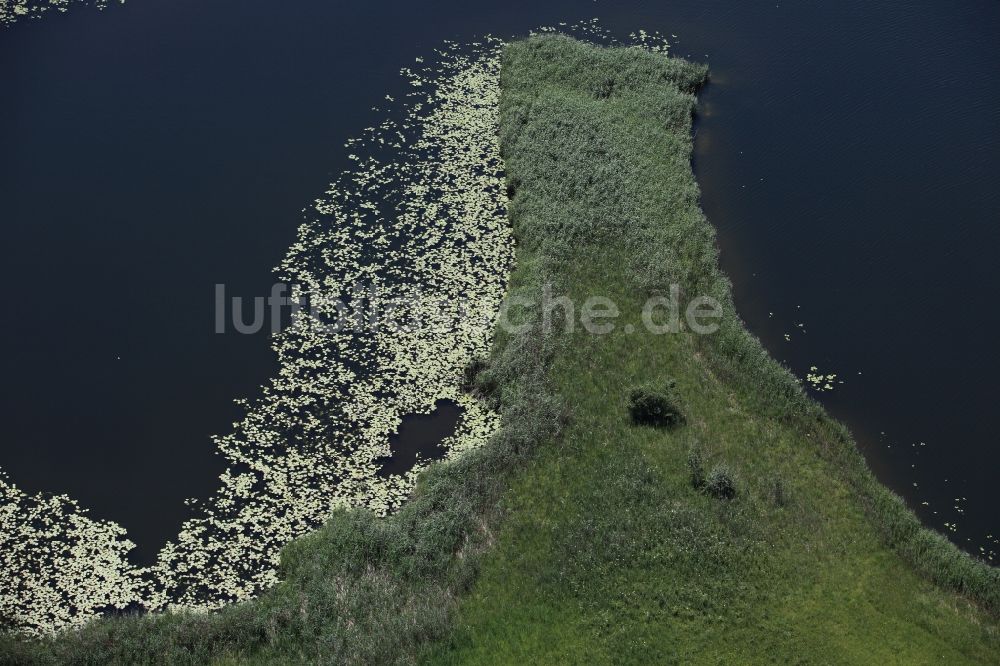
[470, 373]
[696, 466]
[656, 407]
[478, 381]
[605, 88]
[720, 483]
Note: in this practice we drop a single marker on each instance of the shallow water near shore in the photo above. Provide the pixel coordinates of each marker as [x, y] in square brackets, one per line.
[846, 154]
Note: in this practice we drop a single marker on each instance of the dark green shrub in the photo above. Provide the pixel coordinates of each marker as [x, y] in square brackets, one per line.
[656, 407]
[720, 483]
[605, 88]
[696, 467]
[480, 382]
[470, 373]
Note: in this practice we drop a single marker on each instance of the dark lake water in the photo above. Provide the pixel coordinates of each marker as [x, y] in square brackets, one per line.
[847, 153]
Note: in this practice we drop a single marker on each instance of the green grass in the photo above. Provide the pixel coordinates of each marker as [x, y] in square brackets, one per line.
[607, 552]
[575, 535]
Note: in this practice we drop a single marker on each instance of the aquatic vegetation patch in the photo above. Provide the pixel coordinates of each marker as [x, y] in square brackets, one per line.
[60, 566]
[819, 381]
[431, 220]
[419, 221]
[12, 11]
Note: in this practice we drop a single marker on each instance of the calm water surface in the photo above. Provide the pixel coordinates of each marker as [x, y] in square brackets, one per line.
[847, 154]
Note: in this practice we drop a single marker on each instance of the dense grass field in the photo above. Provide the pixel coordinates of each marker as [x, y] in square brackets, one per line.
[576, 534]
[609, 553]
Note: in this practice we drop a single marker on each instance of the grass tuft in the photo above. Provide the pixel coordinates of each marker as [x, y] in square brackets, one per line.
[721, 484]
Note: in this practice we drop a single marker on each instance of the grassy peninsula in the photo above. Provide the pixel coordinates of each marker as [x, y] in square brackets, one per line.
[577, 535]
[608, 552]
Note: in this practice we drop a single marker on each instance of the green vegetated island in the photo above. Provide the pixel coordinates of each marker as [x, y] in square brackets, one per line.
[714, 514]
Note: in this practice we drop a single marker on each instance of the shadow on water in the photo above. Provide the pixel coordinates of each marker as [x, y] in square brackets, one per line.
[419, 438]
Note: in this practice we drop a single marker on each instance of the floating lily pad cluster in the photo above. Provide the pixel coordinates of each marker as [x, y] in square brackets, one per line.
[12, 11]
[419, 221]
[819, 381]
